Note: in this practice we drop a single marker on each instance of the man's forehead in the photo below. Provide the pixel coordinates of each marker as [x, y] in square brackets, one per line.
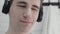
[30, 1]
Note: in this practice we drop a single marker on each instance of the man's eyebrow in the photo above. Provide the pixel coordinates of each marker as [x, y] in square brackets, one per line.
[21, 2]
[36, 6]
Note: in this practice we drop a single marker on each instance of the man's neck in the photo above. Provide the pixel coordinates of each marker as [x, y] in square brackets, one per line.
[15, 33]
[10, 31]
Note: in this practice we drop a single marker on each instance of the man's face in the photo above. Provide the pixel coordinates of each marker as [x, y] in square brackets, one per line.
[23, 14]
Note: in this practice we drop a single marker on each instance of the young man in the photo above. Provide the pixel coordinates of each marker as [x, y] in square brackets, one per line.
[23, 15]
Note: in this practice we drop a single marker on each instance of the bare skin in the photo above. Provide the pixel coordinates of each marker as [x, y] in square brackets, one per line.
[23, 15]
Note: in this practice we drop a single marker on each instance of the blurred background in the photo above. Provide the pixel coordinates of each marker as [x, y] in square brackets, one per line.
[49, 25]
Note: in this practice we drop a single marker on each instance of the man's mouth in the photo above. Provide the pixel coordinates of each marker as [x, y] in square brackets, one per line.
[25, 21]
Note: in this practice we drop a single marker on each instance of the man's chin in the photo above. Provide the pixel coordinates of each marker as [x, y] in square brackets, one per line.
[23, 27]
[24, 31]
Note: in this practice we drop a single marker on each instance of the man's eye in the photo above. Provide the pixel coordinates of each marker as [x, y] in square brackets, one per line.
[21, 6]
[34, 9]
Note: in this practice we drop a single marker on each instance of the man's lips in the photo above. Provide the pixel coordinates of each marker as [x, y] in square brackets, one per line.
[25, 21]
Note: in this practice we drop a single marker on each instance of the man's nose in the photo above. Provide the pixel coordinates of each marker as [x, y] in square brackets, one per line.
[27, 13]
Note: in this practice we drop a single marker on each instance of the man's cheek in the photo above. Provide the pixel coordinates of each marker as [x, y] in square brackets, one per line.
[36, 16]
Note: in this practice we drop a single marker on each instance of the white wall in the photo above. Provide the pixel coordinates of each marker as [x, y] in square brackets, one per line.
[54, 19]
[54, 23]
[3, 19]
